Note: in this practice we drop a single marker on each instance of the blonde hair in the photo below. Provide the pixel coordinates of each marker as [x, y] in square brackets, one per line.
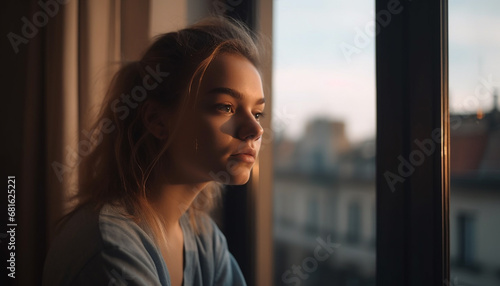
[119, 169]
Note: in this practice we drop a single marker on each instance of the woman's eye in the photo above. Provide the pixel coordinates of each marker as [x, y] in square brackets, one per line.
[225, 108]
[259, 115]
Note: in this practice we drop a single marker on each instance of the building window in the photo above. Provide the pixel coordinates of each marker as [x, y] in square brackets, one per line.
[313, 216]
[354, 223]
[466, 240]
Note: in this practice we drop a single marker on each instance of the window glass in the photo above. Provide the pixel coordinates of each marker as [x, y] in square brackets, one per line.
[474, 56]
[324, 142]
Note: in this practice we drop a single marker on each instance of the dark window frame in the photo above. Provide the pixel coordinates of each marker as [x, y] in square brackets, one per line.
[412, 104]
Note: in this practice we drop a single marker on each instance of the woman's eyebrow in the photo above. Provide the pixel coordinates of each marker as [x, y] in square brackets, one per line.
[234, 93]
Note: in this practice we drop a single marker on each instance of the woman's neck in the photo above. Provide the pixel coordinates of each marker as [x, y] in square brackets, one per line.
[171, 201]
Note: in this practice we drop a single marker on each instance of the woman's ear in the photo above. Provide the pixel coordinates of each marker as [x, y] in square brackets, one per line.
[155, 120]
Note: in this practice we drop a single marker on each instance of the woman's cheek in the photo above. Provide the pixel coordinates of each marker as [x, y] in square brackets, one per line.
[258, 144]
[210, 136]
[218, 125]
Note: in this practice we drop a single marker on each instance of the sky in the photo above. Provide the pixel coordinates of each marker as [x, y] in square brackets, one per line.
[474, 54]
[314, 74]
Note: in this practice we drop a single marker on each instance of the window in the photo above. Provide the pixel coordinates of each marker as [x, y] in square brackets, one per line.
[324, 147]
[466, 240]
[475, 140]
[354, 223]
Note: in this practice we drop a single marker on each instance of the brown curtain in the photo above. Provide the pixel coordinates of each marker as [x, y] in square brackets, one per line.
[56, 82]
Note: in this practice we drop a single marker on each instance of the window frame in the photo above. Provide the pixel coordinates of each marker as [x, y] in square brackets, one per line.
[412, 104]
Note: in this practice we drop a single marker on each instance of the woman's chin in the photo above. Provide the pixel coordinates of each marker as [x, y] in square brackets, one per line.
[232, 173]
[241, 179]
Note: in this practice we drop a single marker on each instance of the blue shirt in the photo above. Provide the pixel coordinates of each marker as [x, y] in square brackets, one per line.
[106, 248]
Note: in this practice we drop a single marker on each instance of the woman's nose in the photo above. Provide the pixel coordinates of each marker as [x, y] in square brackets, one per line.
[250, 128]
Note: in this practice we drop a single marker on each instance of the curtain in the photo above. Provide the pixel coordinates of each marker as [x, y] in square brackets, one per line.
[67, 66]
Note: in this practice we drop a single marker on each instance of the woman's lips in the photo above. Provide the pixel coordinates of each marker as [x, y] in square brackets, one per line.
[244, 157]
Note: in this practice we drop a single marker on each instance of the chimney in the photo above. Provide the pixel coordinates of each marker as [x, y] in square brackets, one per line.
[495, 100]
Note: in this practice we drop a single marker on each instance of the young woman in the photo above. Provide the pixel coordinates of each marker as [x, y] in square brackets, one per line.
[174, 127]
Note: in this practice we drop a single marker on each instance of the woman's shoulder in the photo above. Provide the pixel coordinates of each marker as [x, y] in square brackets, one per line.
[117, 229]
[98, 240]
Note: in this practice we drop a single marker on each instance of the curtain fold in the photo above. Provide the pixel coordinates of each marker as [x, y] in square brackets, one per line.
[70, 63]
[50, 130]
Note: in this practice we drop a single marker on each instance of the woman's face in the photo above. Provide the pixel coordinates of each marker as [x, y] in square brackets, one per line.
[220, 138]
